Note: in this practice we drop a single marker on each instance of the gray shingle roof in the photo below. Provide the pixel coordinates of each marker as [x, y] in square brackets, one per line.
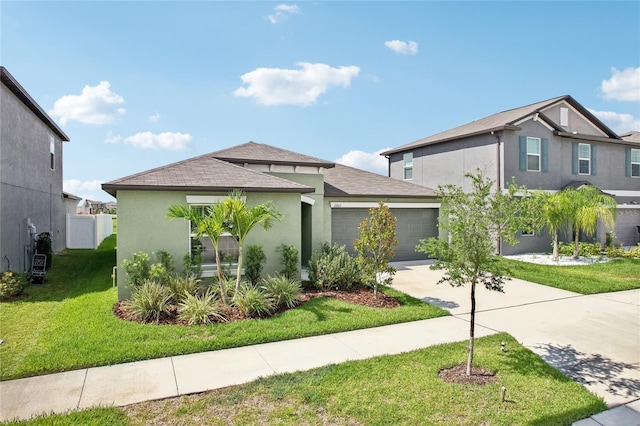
[501, 121]
[252, 152]
[204, 173]
[344, 181]
[632, 136]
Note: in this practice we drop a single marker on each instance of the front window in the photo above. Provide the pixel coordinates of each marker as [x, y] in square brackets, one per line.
[584, 159]
[635, 162]
[408, 166]
[533, 154]
[227, 246]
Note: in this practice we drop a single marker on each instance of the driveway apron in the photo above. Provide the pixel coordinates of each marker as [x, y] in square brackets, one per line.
[594, 339]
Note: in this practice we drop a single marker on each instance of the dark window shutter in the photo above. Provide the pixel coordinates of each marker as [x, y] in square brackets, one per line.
[574, 158]
[545, 155]
[593, 160]
[523, 153]
[627, 162]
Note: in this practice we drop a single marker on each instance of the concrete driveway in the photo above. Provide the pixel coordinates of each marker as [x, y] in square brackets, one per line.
[593, 339]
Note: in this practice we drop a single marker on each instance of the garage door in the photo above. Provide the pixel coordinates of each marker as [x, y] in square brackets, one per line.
[627, 221]
[411, 226]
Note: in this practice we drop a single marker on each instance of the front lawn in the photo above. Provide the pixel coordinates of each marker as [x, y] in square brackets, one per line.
[391, 390]
[615, 275]
[68, 322]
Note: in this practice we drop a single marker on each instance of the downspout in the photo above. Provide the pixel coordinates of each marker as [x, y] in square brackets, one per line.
[388, 165]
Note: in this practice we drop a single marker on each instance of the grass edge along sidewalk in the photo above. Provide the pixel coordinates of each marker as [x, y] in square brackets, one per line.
[399, 389]
[68, 322]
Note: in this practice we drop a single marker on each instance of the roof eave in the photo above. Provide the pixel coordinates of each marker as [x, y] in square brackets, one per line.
[112, 189]
[17, 89]
[593, 138]
[326, 165]
[466, 135]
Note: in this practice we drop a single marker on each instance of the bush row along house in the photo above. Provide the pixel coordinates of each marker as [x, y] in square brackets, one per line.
[549, 146]
[31, 196]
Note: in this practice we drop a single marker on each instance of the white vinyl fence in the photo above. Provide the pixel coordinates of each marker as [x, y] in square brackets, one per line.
[87, 232]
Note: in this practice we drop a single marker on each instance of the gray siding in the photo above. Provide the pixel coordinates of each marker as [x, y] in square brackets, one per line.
[28, 186]
[447, 163]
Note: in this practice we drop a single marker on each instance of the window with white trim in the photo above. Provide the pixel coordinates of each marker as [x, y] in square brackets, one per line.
[527, 233]
[52, 152]
[408, 165]
[635, 162]
[227, 246]
[533, 154]
[584, 159]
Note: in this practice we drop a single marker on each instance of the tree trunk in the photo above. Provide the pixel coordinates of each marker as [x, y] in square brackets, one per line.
[576, 245]
[223, 290]
[555, 246]
[472, 326]
[239, 270]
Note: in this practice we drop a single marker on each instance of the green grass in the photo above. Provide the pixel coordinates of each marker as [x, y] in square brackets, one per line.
[615, 275]
[68, 323]
[390, 390]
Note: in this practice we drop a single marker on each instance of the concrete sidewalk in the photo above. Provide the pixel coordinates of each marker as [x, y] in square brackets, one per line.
[595, 340]
[129, 383]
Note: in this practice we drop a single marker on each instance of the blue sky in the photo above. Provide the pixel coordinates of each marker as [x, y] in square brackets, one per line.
[138, 85]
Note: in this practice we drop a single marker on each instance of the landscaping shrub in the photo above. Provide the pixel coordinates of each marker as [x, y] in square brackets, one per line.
[333, 268]
[252, 301]
[11, 284]
[149, 300]
[254, 263]
[192, 263]
[289, 261]
[43, 246]
[584, 249]
[619, 252]
[182, 286]
[198, 310]
[282, 290]
[137, 269]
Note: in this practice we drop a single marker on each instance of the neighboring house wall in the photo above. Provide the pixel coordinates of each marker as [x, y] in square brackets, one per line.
[29, 187]
[154, 231]
[447, 163]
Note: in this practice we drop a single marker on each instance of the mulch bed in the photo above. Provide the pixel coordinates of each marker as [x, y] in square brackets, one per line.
[360, 296]
[458, 374]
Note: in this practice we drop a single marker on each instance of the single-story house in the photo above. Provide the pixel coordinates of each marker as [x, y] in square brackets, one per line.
[320, 201]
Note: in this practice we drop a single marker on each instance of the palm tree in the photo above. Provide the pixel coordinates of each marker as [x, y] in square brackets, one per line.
[588, 204]
[553, 212]
[210, 224]
[241, 219]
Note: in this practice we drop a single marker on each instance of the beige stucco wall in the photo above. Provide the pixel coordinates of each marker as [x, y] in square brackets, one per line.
[143, 226]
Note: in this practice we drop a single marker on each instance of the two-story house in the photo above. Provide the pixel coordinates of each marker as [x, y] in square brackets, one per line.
[31, 196]
[544, 146]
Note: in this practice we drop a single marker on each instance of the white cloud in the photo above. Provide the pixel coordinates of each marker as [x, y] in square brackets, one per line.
[111, 138]
[91, 189]
[369, 161]
[402, 47]
[618, 122]
[166, 140]
[282, 12]
[154, 117]
[96, 105]
[623, 85]
[275, 86]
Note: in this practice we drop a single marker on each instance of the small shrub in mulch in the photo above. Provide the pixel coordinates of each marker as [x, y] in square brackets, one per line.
[360, 296]
[458, 374]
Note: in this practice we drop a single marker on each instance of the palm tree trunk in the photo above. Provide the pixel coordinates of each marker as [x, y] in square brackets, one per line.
[576, 244]
[223, 290]
[472, 326]
[555, 246]
[239, 270]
